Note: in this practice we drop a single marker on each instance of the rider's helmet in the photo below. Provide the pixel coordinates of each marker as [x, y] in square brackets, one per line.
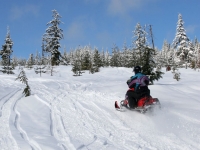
[137, 69]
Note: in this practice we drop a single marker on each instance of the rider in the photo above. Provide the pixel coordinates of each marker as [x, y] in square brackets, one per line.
[138, 87]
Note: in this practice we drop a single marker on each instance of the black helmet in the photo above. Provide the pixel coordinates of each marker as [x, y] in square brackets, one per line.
[137, 69]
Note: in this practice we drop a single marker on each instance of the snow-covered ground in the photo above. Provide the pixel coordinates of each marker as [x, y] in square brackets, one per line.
[66, 112]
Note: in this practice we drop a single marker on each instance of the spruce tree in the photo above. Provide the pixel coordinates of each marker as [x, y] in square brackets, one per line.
[180, 42]
[40, 68]
[22, 77]
[107, 58]
[76, 62]
[97, 60]
[127, 57]
[149, 65]
[86, 61]
[6, 54]
[114, 60]
[139, 43]
[76, 67]
[52, 37]
[30, 62]
[103, 59]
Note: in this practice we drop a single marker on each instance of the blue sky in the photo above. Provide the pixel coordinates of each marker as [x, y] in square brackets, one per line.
[100, 23]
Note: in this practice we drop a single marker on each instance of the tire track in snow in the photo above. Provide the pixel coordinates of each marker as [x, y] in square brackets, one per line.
[83, 118]
[6, 97]
[7, 141]
[74, 102]
[33, 144]
[95, 123]
[56, 126]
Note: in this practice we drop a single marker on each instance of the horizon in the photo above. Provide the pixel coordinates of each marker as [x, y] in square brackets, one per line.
[97, 23]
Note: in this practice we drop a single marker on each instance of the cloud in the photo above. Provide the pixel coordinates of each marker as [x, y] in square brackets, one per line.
[17, 12]
[80, 27]
[75, 31]
[191, 28]
[123, 7]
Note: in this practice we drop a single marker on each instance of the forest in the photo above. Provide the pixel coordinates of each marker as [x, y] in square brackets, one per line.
[182, 52]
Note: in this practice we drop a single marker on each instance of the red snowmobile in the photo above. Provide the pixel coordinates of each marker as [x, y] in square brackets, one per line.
[144, 104]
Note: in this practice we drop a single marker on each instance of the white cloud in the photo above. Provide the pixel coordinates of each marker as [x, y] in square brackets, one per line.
[75, 31]
[191, 28]
[79, 28]
[122, 7]
[18, 12]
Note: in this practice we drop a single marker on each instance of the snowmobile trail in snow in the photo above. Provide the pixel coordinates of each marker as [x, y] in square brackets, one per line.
[33, 144]
[67, 112]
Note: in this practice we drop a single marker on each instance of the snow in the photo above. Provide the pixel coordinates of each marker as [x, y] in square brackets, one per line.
[66, 112]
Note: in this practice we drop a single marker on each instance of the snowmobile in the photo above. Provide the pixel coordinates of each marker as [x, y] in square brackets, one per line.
[144, 104]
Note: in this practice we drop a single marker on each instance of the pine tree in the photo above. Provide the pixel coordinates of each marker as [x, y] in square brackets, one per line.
[66, 57]
[139, 43]
[180, 42]
[52, 37]
[76, 62]
[103, 59]
[30, 62]
[22, 77]
[6, 54]
[114, 61]
[107, 58]
[127, 59]
[149, 64]
[165, 53]
[40, 68]
[76, 67]
[191, 53]
[97, 60]
[86, 60]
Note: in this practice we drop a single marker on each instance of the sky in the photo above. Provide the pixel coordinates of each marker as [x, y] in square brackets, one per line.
[98, 23]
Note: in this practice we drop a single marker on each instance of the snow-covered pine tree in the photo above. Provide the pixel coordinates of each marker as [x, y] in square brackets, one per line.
[127, 57]
[52, 37]
[91, 65]
[66, 57]
[86, 58]
[197, 56]
[15, 62]
[22, 77]
[180, 42]
[37, 58]
[165, 53]
[30, 62]
[76, 67]
[149, 65]
[76, 62]
[96, 60]
[107, 59]
[40, 68]
[176, 73]
[191, 55]
[139, 43]
[120, 58]
[103, 59]
[114, 60]
[6, 54]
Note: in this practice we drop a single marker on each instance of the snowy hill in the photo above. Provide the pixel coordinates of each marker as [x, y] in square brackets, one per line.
[66, 112]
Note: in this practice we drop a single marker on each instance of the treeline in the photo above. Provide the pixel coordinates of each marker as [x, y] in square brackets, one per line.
[181, 53]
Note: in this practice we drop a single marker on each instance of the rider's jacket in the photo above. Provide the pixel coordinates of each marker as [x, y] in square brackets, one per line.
[138, 80]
